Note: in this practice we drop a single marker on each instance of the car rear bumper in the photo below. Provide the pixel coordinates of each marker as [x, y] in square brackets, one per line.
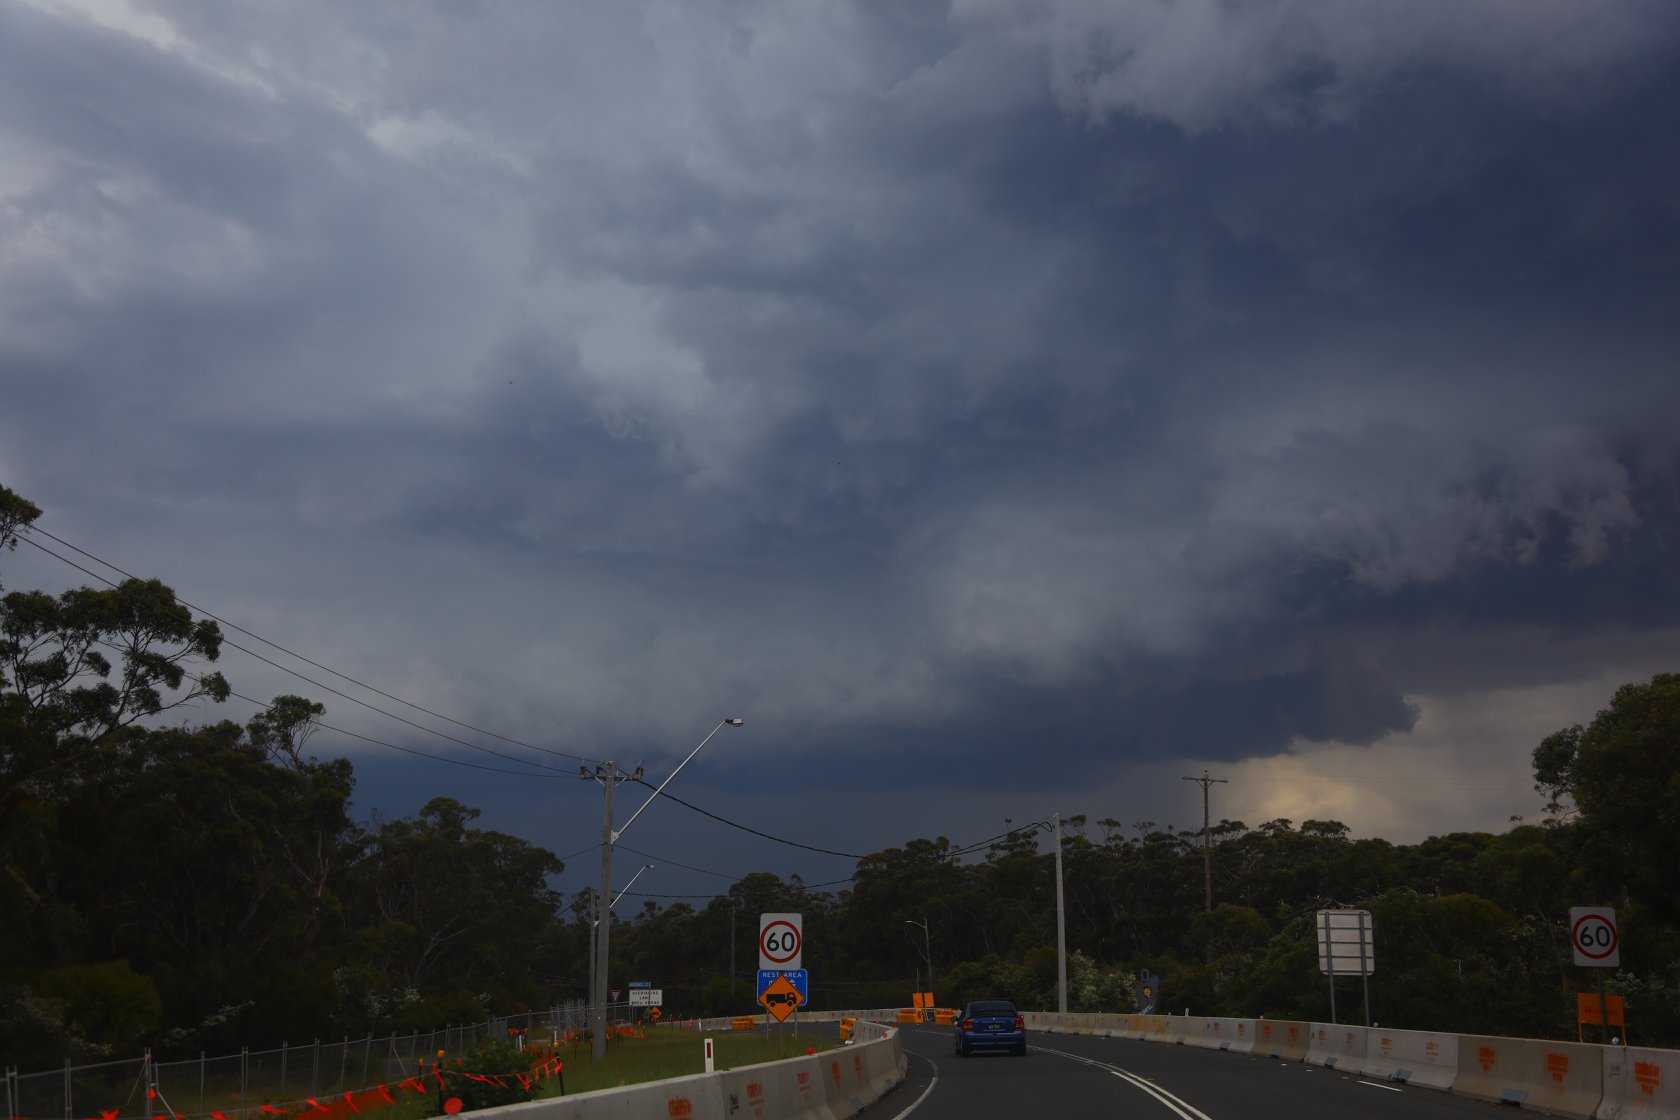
[993, 1040]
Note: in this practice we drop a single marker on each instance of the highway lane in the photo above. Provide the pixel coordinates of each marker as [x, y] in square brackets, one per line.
[1074, 1075]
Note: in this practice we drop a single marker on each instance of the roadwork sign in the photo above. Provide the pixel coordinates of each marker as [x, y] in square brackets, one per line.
[781, 998]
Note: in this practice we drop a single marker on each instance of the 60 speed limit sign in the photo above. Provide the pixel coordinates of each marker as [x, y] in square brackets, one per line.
[1592, 934]
[781, 940]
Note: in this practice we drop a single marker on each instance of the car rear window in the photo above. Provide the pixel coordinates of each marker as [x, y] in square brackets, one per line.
[991, 1007]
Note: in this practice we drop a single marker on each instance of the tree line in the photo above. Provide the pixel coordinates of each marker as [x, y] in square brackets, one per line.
[203, 888]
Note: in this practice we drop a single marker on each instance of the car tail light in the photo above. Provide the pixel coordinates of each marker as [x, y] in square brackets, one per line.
[1020, 1023]
[968, 1024]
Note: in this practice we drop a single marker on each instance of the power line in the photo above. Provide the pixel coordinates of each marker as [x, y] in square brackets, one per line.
[400, 719]
[754, 831]
[674, 863]
[300, 676]
[406, 750]
[393, 715]
[964, 850]
[291, 653]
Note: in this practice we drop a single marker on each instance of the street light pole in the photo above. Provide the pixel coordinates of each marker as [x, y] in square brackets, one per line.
[627, 886]
[927, 943]
[603, 929]
[595, 925]
[734, 909]
[609, 775]
[1061, 922]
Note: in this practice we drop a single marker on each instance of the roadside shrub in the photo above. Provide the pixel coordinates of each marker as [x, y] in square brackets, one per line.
[500, 1065]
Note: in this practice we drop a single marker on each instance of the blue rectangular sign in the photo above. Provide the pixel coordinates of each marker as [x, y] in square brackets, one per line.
[798, 977]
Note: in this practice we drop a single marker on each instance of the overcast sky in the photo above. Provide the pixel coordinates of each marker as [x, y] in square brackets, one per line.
[1005, 406]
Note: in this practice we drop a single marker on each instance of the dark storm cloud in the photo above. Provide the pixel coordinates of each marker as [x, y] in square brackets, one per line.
[1141, 380]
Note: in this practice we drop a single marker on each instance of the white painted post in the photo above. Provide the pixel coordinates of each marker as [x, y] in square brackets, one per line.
[709, 1066]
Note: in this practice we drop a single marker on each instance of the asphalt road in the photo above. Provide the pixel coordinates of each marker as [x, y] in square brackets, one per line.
[1073, 1075]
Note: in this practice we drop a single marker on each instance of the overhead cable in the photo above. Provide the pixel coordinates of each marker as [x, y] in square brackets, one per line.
[754, 831]
[291, 653]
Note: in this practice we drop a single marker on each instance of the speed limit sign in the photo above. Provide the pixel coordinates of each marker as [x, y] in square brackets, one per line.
[781, 940]
[1592, 934]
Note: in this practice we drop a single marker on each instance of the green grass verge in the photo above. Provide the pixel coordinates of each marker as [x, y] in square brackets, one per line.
[667, 1053]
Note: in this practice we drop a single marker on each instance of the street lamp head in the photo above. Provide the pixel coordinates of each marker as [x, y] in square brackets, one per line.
[735, 722]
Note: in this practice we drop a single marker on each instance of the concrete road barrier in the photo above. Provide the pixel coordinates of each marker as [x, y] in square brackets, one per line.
[789, 1090]
[835, 1085]
[1640, 1084]
[1179, 1029]
[1198, 1032]
[1336, 1046]
[847, 1082]
[1235, 1035]
[1560, 1078]
[1285, 1039]
[1412, 1057]
[1152, 1028]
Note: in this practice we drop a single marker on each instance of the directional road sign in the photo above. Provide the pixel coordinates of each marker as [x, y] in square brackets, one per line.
[781, 940]
[1592, 934]
[1345, 944]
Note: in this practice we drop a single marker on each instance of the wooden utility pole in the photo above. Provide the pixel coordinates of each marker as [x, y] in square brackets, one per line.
[1207, 849]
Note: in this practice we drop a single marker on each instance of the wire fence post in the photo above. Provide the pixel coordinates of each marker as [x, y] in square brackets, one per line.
[201, 1081]
[244, 1077]
[68, 1112]
[283, 1056]
[151, 1079]
[11, 1093]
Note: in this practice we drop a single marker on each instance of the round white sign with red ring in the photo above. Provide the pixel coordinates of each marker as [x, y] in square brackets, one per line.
[781, 941]
[1593, 936]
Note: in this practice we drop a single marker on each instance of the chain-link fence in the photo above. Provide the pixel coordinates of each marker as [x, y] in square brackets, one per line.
[239, 1085]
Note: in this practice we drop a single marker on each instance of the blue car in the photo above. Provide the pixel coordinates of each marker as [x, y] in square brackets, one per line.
[990, 1024]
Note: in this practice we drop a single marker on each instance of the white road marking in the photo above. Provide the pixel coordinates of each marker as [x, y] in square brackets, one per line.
[1374, 1085]
[917, 1103]
[1181, 1107]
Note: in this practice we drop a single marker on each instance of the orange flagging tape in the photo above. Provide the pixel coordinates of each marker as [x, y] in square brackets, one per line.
[357, 1103]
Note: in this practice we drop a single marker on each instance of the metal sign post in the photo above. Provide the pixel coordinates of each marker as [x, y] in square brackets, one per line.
[1596, 944]
[1346, 947]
